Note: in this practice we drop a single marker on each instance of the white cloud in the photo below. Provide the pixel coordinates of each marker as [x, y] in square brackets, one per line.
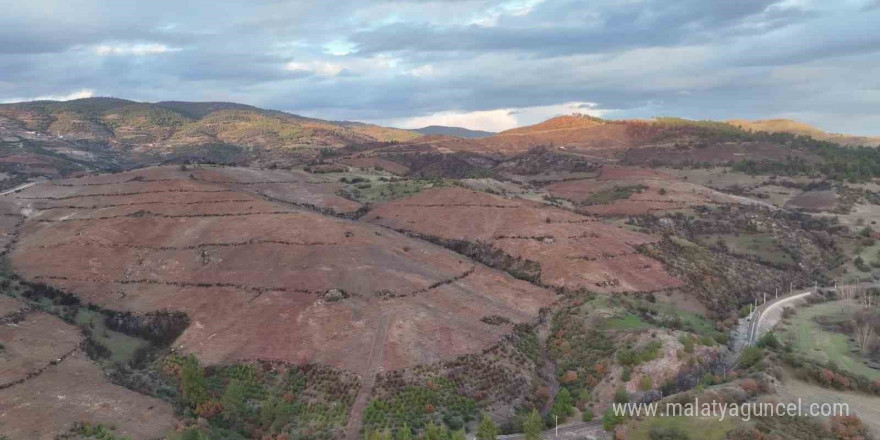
[378, 64]
[339, 47]
[321, 68]
[499, 119]
[133, 49]
[516, 8]
[79, 94]
[423, 71]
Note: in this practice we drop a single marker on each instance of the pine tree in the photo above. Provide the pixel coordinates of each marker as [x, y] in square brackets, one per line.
[532, 425]
[487, 430]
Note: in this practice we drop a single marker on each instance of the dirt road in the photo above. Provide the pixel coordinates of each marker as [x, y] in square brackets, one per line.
[18, 188]
[355, 418]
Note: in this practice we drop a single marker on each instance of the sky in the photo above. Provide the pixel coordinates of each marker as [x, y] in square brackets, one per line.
[479, 64]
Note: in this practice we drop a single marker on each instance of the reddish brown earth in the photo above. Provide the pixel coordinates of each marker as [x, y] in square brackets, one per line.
[574, 250]
[252, 274]
[678, 194]
[292, 187]
[47, 383]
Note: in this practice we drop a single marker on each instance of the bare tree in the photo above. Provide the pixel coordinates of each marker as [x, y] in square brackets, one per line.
[863, 331]
[868, 299]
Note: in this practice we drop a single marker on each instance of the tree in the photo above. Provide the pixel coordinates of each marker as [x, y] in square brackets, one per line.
[487, 430]
[459, 435]
[863, 331]
[564, 405]
[435, 432]
[532, 425]
[610, 419]
[192, 381]
[234, 401]
[404, 432]
[379, 435]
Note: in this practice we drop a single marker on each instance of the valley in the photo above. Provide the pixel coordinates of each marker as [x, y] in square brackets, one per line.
[175, 270]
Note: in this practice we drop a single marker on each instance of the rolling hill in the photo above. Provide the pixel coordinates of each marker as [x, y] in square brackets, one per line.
[800, 128]
[160, 126]
[453, 131]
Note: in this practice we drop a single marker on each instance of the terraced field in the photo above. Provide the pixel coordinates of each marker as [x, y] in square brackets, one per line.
[262, 276]
[47, 383]
[570, 250]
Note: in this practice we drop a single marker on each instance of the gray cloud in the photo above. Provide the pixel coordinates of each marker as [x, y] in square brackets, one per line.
[393, 59]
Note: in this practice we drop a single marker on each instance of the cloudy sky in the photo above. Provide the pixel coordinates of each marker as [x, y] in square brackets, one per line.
[482, 64]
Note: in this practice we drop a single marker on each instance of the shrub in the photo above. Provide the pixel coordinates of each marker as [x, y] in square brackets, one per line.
[769, 341]
[667, 433]
[610, 420]
[646, 383]
[751, 356]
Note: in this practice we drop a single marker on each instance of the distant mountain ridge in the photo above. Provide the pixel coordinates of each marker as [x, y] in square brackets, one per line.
[454, 131]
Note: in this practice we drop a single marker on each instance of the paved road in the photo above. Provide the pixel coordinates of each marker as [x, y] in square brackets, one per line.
[578, 430]
[771, 314]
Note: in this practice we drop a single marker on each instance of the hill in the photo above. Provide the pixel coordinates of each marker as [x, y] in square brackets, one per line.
[800, 128]
[159, 127]
[453, 131]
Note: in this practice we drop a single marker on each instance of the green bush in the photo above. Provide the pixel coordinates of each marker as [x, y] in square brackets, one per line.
[633, 357]
[769, 341]
[610, 420]
[667, 433]
[587, 415]
[751, 356]
[646, 383]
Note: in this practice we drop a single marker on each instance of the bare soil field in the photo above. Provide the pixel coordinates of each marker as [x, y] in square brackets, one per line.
[47, 384]
[651, 190]
[292, 187]
[573, 250]
[820, 200]
[254, 275]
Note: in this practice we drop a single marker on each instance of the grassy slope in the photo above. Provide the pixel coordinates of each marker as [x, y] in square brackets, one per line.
[810, 339]
[702, 428]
